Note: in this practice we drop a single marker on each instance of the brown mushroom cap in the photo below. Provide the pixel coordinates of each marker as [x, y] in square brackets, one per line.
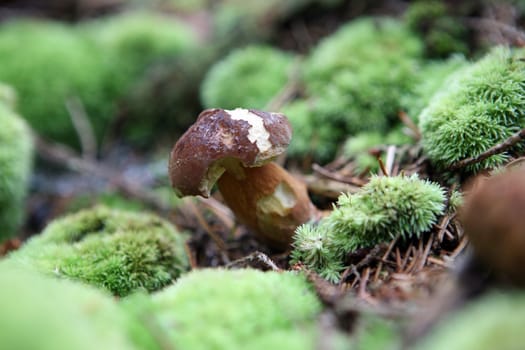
[250, 137]
[493, 217]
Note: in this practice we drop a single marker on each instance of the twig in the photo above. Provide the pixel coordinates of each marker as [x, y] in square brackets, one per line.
[334, 176]
[65, 156]
[511, 32]
[500, 147]
[384, 257]
[83, 127]
[255, 259]
[223, 213]
[214, 236]
[363, 282]
[288, 90]
[390, 158]
[327, 187]
[405, 119]
[382, 166]
[426, 252]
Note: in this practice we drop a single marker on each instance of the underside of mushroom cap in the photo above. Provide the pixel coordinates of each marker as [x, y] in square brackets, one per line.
[220, 138]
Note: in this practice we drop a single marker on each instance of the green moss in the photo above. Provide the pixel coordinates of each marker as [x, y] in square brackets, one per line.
[442, 33]
[358, 148]
[233, 309]
[49, 63]
[249, 21]
[433, 75]
[376, 333]
[311, 139]
[136, 40]
[7, 96]
[480, 107]
[44, 313]
[140, 48]
[248, 77]
[356, 77]
[494, 321]
[16, 154]
[115, 250]
[384, 208]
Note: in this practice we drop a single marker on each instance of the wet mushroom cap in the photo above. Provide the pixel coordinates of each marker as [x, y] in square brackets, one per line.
[219, 136]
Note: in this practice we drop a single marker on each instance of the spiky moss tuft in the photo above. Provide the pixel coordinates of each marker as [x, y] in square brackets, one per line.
[237, 309]
[482, 106]
[16, 155]
[40, 312]
[115, 250]
[357, 77]
[384, 208]
[248, 77]
[442, 33]
[494, 321]
[53, 65]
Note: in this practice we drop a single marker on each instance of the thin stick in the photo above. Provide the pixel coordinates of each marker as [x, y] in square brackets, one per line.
[334, 176]
[253, 260]
[383, 258]
[363, 282]
[65, 156]
[83, 127]
[426, 252]
[405, 119]
[382, 166]
[288, 90]
[390, 158]
[511, 32]
[499, 148]
[214, 236]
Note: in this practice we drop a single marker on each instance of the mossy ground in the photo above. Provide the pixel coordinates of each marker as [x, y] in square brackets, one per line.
[358, 81]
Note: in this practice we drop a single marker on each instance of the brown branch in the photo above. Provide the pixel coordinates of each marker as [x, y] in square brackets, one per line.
[405, 119]
[499, 148]
[67, 157]
[337, 177]
[516, 35]
[83, 127]
[288, 91]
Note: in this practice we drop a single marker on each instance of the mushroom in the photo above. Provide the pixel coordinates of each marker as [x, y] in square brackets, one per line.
[494, 221]
[235, 148]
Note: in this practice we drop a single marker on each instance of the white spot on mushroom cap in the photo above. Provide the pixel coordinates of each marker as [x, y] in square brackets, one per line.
[257, 133]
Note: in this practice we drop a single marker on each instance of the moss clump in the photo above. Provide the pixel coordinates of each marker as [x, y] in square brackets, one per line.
[358, 148]
[7, 95]
[134, 41]
[494, 321]
[43, 313]
[357, 77]
[16, 154]
[248, 77]
[440, 31]
[310, 140]
[432, 76]
[386, 207]
[237, 309]
[119, 251]
[54, 64]
[138, 46]
[480, 107]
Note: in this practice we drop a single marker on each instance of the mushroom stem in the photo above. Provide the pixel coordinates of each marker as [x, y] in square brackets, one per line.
[269, 201]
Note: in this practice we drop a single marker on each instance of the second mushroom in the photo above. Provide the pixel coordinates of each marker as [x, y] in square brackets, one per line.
[235, 148]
